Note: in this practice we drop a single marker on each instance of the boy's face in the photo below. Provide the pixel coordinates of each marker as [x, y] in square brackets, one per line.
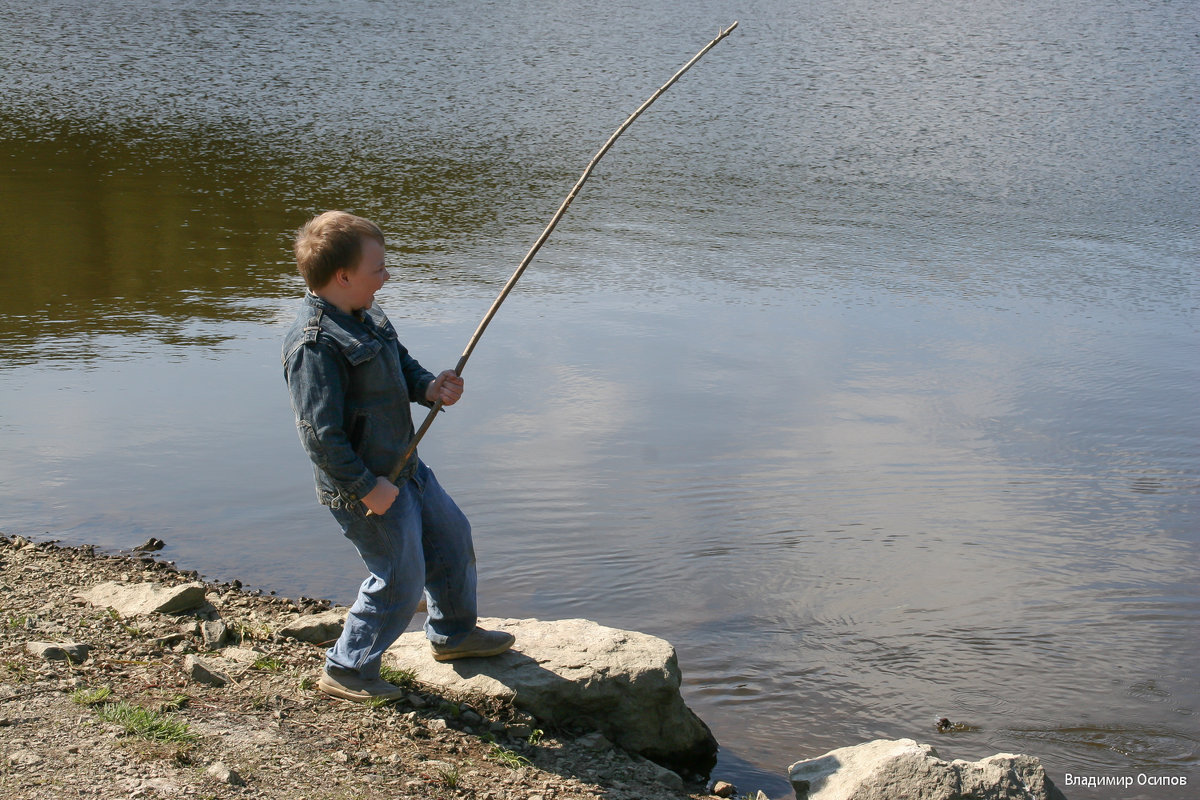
[367, 277]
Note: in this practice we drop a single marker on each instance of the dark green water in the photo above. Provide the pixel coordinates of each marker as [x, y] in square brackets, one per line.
[863, 370]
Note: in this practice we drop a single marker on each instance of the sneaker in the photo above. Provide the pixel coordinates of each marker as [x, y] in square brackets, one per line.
[478, 644]
[349, 686]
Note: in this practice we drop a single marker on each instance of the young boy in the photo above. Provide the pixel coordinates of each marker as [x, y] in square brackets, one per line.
[351, 383]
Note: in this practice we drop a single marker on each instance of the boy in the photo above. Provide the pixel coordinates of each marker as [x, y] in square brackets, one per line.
[351, 383]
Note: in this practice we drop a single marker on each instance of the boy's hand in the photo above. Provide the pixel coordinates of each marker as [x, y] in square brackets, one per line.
[380, 499]
[446, 388]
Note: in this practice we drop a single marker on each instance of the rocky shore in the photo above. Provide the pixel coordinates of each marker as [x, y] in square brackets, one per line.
[96, 703]
[122, 676]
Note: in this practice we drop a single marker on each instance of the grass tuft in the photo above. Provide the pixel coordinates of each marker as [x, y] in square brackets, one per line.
[508, 758]
[145, 723]
[268, 664]
[404, 678]
[176, 703]
[449, 776]
[91, 697]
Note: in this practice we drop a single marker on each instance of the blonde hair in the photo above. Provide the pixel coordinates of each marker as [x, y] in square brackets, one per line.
[329, 242]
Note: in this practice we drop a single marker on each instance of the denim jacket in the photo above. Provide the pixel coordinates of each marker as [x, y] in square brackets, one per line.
[351, 383]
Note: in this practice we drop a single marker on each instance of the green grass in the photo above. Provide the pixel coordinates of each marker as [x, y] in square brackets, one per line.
[268, 664]
[404, 678]
[243, 631]
[176, 703]
[145, 723]
[381, 702]
[449, 777]
[91, 697]
[130, 630]
[508, 758]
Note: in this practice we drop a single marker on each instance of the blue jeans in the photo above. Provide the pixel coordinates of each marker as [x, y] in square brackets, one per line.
[423, 542]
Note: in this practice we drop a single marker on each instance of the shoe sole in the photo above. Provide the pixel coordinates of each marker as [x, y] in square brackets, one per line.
[457, 654]
[335, 690]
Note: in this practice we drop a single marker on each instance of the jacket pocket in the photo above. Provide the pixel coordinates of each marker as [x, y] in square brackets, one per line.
[358, 352]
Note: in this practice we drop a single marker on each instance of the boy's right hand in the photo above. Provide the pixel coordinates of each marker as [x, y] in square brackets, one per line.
[380, 499]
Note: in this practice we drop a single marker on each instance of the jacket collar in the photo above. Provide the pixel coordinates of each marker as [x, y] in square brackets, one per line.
[316, 301]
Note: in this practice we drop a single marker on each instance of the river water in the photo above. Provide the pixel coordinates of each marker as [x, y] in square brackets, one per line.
[864, 369]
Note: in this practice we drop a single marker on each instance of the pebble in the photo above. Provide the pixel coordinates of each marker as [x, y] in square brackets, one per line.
[724, 789]
[202, 671]
[24, 758]
[224, 774]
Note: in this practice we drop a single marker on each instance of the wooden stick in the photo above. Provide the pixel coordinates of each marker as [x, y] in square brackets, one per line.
[537, 245]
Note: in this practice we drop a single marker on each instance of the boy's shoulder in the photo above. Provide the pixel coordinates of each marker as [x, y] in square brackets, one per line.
[319, 323]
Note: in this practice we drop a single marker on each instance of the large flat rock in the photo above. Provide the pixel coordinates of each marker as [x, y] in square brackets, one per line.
[623, 684]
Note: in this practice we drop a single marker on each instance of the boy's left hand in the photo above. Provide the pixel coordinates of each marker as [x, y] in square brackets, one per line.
[446, 388]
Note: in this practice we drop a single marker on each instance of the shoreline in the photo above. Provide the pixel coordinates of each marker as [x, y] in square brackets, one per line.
[268, 732]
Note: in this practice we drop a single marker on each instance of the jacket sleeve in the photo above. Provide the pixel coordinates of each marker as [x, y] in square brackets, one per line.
[416, 377]
[317, 380]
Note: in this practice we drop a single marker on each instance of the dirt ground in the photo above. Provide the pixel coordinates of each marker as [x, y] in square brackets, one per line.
[126, 721]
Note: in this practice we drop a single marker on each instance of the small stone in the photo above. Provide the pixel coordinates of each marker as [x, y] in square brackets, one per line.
[214, 633]
[75, 652]
[437, 724]
[24, 758]
[224, 774]
[170, 640]
[724, 789]
[316, 628]
[204, 671]
[151, 544]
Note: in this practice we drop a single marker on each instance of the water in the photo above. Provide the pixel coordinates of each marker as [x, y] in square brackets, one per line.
[863, 369]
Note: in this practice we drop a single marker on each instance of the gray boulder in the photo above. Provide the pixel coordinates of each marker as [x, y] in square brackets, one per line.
[886, 769]
[623, 684]
[131, 599]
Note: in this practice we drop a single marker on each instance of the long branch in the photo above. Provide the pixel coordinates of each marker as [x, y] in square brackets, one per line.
[537, 245]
